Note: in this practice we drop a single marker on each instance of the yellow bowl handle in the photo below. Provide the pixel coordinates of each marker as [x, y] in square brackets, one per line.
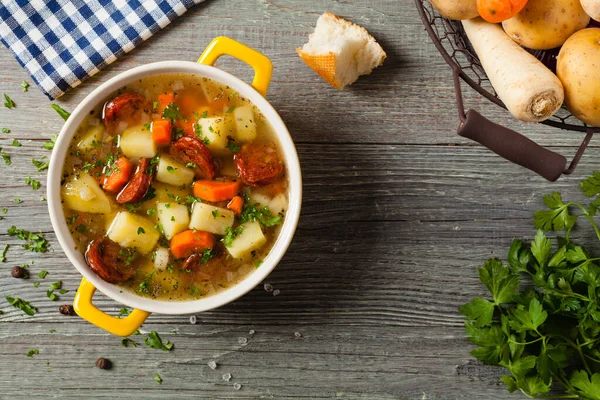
[118, 326]
[263, 68]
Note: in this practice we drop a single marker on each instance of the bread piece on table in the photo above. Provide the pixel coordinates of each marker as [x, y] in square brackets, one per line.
[340, 51]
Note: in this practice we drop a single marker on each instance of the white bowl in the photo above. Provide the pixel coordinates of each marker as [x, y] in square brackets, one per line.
[126, 297]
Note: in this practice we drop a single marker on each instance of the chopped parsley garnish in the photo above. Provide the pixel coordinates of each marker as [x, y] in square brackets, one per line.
[215, 213]
[230, 109]
[72, 220]
[4, 210]
[233, 146]
[32, 352]
[43, 273]
[3, 255]
[191, 165]
[153, 340]
[35, 185]
[144, 286]
[5, 130]
[155, 105]
[127, 255]
[153, 163]
[40, 165]
[207, 255]
[62, 112]
[147, 126]
[231, 234]
[21, 304]
[9, 103]
[81, 228]
[262, 214]
[123, 311]
[50, 294]
[5, 157]
[158, 379]
[173, 218]
[151, 211]
[63, 291]
[194, 291]
[50, 145]
[87, 167]
[125, 342]
[141, 231]
[172, 112]
[17, 201]
[35, 241]
[56, 285]
[257, 263]
[168, 205]
[16, 143]
[170, 169]
[36, 284]
[96, 144]
[25, 86]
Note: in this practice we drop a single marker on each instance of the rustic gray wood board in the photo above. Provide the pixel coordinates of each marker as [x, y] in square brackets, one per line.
[398, 211]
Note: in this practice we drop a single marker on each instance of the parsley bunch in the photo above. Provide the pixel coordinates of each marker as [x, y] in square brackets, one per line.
[548, 332]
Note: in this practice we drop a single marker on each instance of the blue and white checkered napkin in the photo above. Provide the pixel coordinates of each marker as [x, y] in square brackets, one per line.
[63, 42]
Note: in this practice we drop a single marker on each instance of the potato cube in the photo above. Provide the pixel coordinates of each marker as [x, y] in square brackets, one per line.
[251, 238]
[214, 131]
[136, 142]
[173, 217]
[94, 135]
[84, 194]
[161, 258]
[174, 173]
[211, 219]
[130, 230]
[245, 124]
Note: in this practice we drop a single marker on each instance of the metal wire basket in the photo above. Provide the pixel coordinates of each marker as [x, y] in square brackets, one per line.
[451, 41]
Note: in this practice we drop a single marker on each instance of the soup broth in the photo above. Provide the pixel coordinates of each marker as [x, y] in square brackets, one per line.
[175, 188]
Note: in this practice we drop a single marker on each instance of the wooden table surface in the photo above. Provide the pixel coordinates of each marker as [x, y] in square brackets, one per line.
[398, 212]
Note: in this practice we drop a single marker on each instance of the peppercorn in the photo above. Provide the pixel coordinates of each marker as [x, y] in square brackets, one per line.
[66, 309]
[103, 363]
[19, 272]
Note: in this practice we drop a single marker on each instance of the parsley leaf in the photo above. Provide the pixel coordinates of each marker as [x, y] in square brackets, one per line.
[22, 305]
[257, 212]
[8, 103]
[35, 185]
[36, 242]
[153, 340]
[589, 387]
[62, 112]
[40, 165]
[172, 112]
[50, 145]
[32, 352]
[480, 310]
[25, 86]
[158, 379]
[3, 255]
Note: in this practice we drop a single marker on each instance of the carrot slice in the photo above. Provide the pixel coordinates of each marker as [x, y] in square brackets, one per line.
[119, 175]
[189, 104]
[216, 190]
[236, 205]
[161, 131]
[164, 99]
[186, 243]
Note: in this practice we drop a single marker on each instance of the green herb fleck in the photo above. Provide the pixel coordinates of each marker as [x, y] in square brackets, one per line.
[62, 112]
[230, 109]
[154, 340]
[56, 285]
[5, 157]
[9, 103]
[141, 231]
[125, 342]
[231, 234]
[81, 228]
[22, 305]
[172, 112]
[35, 185]
[3, 254]
[170, 169]
[158, 379]
[15, 143]
[40, 165]
[32, 352]
[25, 86]
[5, 130]
[50, 294]
[17, 201]
[43, 273]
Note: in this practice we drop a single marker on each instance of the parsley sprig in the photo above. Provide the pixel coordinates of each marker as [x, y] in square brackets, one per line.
[548, 333]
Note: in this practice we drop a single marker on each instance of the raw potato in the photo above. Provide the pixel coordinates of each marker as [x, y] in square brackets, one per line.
[530, 91]
[456, 9]
[592, 8]
[245, 125]
[173, 217]
[578, 68]
[84, 194]
[94, 134]
[174, 173]
[137, 142]
[203, 219]
[545, 24]
[124, 231]
[251, 238]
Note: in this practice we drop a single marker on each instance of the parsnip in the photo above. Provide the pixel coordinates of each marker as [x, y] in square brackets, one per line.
[530, 91]
[592, 8]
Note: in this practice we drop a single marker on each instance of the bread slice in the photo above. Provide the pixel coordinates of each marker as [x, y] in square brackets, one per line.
[340, 51]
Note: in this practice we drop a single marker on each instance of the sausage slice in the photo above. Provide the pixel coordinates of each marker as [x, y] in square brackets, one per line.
[127, 107]
[139, 184]
[191, 150]
[109, 260]
[258, 164]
